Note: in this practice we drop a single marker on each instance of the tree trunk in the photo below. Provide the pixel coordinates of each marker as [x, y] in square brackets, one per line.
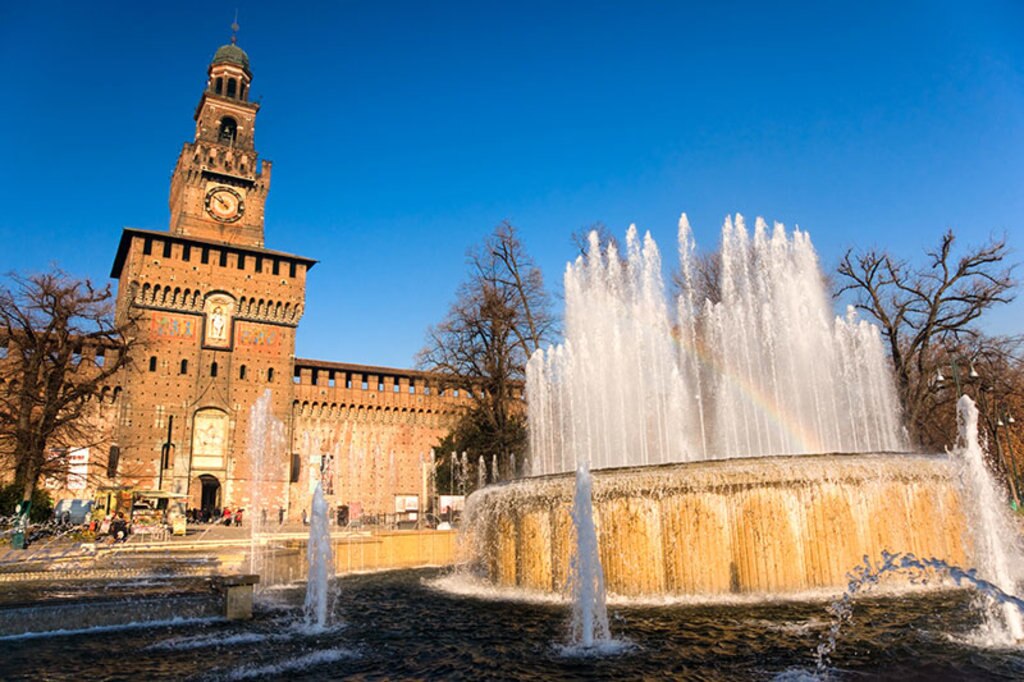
[31, 475]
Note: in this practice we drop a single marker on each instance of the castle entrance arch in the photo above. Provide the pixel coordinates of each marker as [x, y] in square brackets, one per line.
[210, 495]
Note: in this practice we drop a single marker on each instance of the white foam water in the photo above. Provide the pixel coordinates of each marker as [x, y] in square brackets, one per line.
[290, 665]
[207, 641]
[997, 550]
[589, 625]
[97, 629]
[265, 447]
[917, 570]
[765, 370]
[320, 557]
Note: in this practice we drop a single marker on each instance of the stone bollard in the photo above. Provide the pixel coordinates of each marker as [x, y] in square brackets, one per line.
[237, 591]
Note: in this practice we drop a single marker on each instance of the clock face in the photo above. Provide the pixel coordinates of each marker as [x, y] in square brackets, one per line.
[224, 204]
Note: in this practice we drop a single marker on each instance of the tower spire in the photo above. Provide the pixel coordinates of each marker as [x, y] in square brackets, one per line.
[234, 28]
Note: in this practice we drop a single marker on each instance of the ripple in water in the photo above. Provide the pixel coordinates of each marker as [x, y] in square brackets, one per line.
[291, 665]
[400, 627]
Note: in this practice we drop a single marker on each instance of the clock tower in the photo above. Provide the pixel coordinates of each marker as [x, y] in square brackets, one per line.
[219, 185]
[216, 314]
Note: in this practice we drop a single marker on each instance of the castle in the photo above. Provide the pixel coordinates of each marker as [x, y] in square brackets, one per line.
[218, 314]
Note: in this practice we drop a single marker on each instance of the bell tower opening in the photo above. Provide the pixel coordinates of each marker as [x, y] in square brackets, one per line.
[228, 130]
[220, 185]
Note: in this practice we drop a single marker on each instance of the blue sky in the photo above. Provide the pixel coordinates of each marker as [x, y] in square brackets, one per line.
[403, 132]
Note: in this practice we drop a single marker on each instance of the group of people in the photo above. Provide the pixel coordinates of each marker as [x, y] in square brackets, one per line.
[219, 516]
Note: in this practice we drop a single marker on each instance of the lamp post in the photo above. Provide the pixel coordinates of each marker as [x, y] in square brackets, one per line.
[971, 374]
[986, 411]
[1005, 421]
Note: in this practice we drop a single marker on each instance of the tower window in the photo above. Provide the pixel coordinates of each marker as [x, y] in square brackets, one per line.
[270, 374]
[152, 363]
[184, 367]
[204, 256]
[241, 91]
[147, 246]
[219, 86]
[228, 130]
[213, 369]
[232, 87]
[241, 372]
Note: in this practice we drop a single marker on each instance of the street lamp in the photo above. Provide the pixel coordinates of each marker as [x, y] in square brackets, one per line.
[1002, 418]
[1005, 421]
[971, 374]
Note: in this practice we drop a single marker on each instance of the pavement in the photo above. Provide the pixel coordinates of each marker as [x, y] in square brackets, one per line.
[201, 548]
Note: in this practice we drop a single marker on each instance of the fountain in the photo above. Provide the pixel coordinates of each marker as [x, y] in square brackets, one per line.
[997, 551]
[590, 615]
[320, 558]
[683, 509]
[264, 447]
[749, 445]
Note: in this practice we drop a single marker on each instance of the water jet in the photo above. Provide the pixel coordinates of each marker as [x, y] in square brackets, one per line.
[746, 443]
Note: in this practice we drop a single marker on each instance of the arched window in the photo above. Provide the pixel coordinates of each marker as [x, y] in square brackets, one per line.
[232, 87]
[228, 130]
[241, 91]
[152, 363]
[270, 374]
[219, 86]
[184, 367]
[241, 372]
[213, 369]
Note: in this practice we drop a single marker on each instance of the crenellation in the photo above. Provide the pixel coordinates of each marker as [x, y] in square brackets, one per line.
[218, 317]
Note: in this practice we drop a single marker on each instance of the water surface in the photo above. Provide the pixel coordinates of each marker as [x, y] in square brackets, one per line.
[398, 626]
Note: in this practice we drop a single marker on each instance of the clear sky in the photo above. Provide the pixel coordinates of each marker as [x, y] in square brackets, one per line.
[403, 132]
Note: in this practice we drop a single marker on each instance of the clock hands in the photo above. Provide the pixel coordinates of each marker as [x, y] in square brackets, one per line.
[224, 204]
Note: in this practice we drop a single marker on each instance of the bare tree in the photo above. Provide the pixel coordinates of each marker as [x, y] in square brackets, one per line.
[705, 278]
[580, 238]
[61, 346]
[925, 312]
[501, 316]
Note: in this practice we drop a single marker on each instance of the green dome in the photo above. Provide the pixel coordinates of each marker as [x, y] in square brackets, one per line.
[231, 54]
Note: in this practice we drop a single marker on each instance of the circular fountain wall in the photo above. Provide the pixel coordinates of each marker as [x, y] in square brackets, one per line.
[761, 525]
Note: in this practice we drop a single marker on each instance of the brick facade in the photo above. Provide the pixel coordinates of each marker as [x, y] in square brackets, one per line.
[219, 314]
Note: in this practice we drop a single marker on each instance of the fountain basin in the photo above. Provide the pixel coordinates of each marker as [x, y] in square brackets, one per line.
[773, 525]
